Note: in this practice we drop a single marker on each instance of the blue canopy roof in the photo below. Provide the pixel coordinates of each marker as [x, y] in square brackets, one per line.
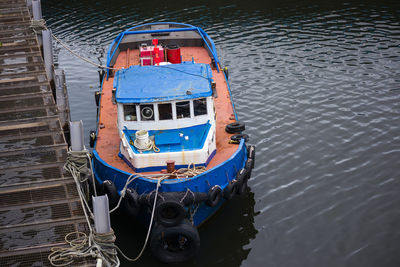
[145, 84]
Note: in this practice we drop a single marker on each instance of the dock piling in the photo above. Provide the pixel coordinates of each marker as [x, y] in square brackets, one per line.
[48, 54]
[37, 15]
[101, 213]
[76, 128]
[61, 96]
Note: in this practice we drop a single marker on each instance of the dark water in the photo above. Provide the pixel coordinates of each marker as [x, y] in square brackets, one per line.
[318, 85]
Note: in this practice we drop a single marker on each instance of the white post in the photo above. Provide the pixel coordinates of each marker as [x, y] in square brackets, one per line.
[37, 15]
[29, 4]
[61, 97]
[48, 53]
[101, 212]
[76, 128]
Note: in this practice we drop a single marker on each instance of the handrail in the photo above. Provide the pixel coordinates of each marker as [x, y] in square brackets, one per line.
[200, 31]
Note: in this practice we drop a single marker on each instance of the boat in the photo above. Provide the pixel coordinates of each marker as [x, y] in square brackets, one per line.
[169, 149]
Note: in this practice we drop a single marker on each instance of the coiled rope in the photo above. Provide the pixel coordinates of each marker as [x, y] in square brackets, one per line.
[151, 145]
[96, 245]
[39, 25]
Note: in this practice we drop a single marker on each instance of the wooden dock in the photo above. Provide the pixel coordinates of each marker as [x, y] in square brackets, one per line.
[39, 203]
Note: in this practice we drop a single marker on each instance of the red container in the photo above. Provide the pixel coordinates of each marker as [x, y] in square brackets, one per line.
[174, 54]
[147, 55]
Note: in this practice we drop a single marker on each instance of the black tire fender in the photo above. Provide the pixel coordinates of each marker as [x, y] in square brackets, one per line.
[249, 167]
[130, 203]
[238, 137]
[108, 188]
[235, 127]
[174, 244]
[251, 154]
[230, 189]
[241, 177]
[169, 213]
[214, 196]
[92, 138]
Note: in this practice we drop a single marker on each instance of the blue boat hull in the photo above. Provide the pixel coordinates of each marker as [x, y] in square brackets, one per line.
[219, 175]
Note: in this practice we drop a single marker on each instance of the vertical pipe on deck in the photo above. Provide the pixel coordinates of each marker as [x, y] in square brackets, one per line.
[76, 128]
[37, 15]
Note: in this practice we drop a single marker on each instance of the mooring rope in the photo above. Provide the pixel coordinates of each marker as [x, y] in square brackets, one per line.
[96, 245]
[39, 25]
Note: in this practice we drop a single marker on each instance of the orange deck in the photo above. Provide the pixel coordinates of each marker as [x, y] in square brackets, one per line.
[107, 145]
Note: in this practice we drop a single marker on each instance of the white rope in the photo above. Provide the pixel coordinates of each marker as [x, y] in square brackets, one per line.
[38, 25]
[151, 145]
[150, 226]
[100, 246]
[95, 245]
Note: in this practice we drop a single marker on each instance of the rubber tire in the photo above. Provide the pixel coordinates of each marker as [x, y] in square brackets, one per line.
[251, 154]
[249, 167]
[130, 203]
[92, 138]
[213, 196]
[235, 127]
[108, 188]
[159, 248]
[166, 208]
[241, 177]
[238, 137]
[230, 190]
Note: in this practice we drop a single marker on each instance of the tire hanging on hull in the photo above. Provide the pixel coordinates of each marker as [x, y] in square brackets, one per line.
[174, 244]
[108, 188]
[130, 203]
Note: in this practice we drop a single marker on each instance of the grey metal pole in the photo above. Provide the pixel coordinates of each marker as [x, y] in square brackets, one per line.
[29, 4]
[61, 97]
[101, 213]
[76, 128]
[48, 53]
[37, 15]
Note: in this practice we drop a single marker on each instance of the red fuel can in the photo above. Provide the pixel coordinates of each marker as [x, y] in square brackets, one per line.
[174, 54]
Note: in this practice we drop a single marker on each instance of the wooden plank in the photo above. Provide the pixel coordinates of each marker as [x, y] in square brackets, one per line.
[24, 73]
[24, 125]
[19, 79]
[27, 54]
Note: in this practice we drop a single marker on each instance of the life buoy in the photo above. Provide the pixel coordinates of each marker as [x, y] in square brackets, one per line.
[130, 203]
[235, 127]
[213, 196]
[108, 188]
[230, 189]
[169, 213]
[174, 244]
[241, 177]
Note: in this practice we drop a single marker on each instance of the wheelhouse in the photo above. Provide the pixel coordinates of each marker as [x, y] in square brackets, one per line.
[174, 106]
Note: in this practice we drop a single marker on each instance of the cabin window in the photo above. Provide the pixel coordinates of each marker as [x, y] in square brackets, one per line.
[165, 111]
[183, 109]
[146, 112]
[130, 112]
[200, 106]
